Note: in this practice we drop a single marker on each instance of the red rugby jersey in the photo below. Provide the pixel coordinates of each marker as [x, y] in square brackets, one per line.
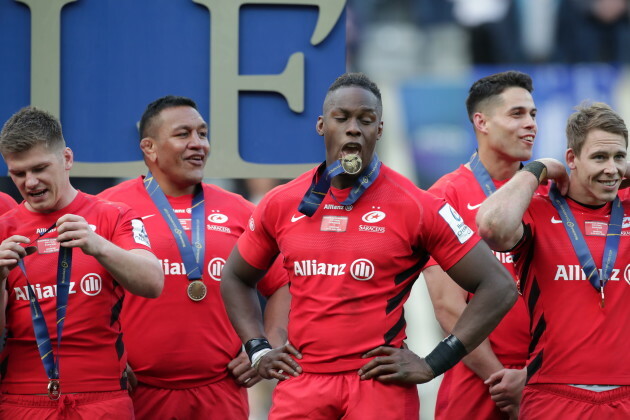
[351, 267]
[92, 354]
[510, 339]
[197, 337]
[6, 202]
[574, 340]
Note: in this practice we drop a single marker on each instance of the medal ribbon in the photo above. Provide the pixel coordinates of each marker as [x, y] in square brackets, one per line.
[481, 175]
[318, 190]
[192, 254]
[42, 337]
[579, 244]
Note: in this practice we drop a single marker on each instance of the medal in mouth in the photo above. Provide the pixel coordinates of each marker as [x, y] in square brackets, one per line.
[351, 164]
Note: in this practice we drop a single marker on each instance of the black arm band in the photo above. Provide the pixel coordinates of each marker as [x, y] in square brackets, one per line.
[256, 344]
[445, 355]
[537, 168]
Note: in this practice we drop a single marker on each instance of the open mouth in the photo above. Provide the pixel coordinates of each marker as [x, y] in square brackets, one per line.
[528, 139]
[350, 159]
[195, 159]
[38, 194]
[608, 182]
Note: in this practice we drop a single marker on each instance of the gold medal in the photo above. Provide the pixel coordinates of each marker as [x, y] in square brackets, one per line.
[54, 390]
[351, 164]
[197, 290]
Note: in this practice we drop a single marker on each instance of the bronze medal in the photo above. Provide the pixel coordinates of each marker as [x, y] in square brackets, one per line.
[54, 389]
[351, 164]
[197, 290]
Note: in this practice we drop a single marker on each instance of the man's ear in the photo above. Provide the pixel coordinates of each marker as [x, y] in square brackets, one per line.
[480, 122]
[148, 147]
[319, 125]
[68, 158]
[570, 158]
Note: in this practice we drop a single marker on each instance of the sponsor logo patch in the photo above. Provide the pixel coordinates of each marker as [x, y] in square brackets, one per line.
[334, 224]
[139, 233]
[41, 292]
[456, 223]
[336, 207]
[47, 246]
[362, 269]
[216, 228]
[251, 224]
[215, 268]
[595, 228]
[217, 218]
[186, 223]
[368, 228]
[373, 216]
[91, 284]
[295, 218]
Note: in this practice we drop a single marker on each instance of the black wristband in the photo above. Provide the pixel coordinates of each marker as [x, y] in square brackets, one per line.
[256, 344]
[537, 168]
[445, 355]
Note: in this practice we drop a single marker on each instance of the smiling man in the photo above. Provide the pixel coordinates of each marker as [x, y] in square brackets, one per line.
[182, 348]
[82, 254]
[571, 254]
[501, 108]
[354, 235]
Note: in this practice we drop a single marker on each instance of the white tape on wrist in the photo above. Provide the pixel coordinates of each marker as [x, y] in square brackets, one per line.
[257, 356]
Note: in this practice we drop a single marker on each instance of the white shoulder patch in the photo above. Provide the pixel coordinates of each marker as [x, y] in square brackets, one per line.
[139, 233]
[456, 223]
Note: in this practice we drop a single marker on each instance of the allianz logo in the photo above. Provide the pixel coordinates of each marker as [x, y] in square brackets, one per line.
[361, 269]
[336, 207]
[90, 285]
[504, 257]
[175, 268]
[575, 272]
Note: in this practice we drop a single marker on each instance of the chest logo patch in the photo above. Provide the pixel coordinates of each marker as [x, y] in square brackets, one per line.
[91, 284]
[215, 268]
[362, 269]
[334, 224]
[217, 218]
[373, 216]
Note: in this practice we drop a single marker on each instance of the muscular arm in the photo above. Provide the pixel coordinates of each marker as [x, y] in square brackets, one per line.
[277, 316]
[449, 301]
[238, 282]
[499, 217]
[238, 290]
[479, 272]
[137, 270]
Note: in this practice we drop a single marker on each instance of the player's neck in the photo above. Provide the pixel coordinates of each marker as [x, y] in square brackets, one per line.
[172, 189]
[497, 165]
[580, 194]
[343, 181]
